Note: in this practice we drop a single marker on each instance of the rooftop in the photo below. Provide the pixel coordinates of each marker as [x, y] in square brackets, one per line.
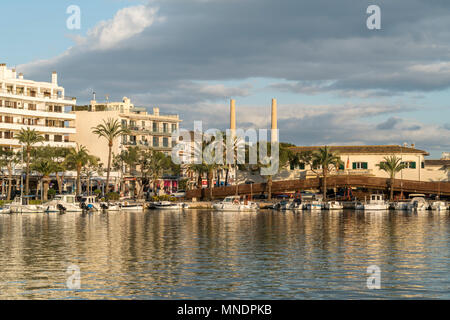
[441, 162]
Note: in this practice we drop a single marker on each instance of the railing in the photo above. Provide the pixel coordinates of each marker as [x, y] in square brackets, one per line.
[149, 130]
[37, 95]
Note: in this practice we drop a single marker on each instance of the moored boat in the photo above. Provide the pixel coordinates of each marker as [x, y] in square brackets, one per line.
[167, 205]
[21, 205]
[439, 206]
[333, 205]
[376, 202]
[234, 203]
[64, 202]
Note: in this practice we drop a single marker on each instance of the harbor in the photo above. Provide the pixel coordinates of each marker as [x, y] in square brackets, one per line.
[201, 254]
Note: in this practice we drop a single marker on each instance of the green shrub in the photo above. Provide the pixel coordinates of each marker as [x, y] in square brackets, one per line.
[3, 202]
[113, 196]
[51, 193]
[164, 197]
[97, 191]
[35, 202]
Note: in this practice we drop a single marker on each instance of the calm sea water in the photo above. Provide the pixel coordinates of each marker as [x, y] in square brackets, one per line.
[212, 255]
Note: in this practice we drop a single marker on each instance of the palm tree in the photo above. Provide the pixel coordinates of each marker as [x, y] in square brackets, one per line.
[77, 159]
[391, 165]
[110, 130]
[8, 159]
[28, 138]
[45, 167]
[92, 167]
[328, 161]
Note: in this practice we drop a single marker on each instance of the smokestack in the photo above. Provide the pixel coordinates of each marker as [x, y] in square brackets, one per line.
[274, 121]
[232, 114]
[14, 75]
[21, 76]
[55, 78]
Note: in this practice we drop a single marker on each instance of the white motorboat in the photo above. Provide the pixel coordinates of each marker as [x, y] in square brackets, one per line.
[64, 202]
[313, 205]
[167, 205]
[131, 206]
[89, 203]
[288, 205]
[418, 204]
[234, 203]
[333, 205]
[376, 202]
[439, 206]
[20, 205]
[108, 206]
[399, 205]
[5, 209]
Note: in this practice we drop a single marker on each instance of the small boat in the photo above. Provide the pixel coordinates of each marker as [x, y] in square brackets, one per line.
[333, 205]
[5, 209]
[64, 202]
[376, 202]
[167, 205]
[234, 203]
[399, 205]
[313, 205]
[89, 203]
[131, 206]
[439, 206]
[108, 206]
[418, 204]
[20, 205]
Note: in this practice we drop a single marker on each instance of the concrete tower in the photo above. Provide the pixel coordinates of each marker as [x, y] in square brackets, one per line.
[233, 114]
[274, 133]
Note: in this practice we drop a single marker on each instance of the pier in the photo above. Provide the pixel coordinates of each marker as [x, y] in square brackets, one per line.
[372, 183]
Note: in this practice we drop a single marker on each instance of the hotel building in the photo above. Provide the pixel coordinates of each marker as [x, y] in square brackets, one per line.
[36, 105]
[146, 130]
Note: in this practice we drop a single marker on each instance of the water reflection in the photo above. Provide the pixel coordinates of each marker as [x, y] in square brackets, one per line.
[212, 255]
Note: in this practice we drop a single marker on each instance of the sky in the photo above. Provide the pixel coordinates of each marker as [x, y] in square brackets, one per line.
[336, 81]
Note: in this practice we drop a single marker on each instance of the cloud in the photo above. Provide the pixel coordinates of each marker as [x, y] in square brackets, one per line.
[191, 56]
[389, 124]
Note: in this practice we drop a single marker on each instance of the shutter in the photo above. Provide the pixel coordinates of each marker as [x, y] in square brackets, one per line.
[292, 166]
[364, 165]
[302, 166]
[412, 165]
[423, 165]
[341, 167]
[354, 165]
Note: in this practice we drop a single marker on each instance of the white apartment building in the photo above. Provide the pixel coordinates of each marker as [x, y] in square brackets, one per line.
[146, 130]
[36, 105]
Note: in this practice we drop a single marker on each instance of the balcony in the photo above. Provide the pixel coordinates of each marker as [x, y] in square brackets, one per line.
[16, 143]
[38, 96]
[148, 130]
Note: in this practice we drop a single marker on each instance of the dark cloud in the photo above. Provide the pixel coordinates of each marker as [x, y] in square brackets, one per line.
[389, 124]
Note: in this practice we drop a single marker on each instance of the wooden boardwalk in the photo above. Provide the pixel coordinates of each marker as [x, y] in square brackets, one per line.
[373, 183]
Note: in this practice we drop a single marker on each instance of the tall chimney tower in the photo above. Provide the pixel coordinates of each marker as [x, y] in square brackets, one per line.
[232, 114]
[274, 133]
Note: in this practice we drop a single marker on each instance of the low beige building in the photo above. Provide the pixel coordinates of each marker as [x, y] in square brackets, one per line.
[364, 160]
[146, 130]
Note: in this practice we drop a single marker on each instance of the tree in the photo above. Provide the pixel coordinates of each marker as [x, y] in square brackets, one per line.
[92, 167]
[110, 130]
[284, 154]
[76, 159]
[58, 156]
[321, 162]
[9, 159]
[45, 167]
[28, 138]
[391, 165]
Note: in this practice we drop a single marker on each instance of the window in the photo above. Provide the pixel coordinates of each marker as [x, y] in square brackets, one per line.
[174, 127]
[9, 135]
[155, 141]
[359, 165]
[57, 138]
[124, 123]
[165, 142]
[422, 165]
[47, 137]
[155, 127]
[341, 166]
[292, 166]
[165, 127]
[410, 164]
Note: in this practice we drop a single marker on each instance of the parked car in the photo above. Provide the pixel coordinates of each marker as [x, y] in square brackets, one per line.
[179, 194]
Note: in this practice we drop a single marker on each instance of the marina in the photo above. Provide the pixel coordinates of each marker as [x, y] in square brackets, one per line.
[206, 254]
